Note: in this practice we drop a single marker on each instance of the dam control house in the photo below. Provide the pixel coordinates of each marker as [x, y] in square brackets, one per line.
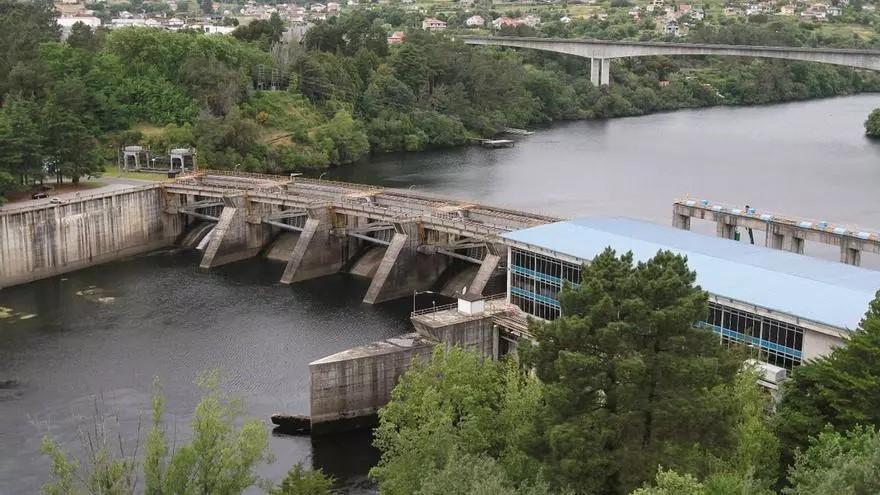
[789, 308]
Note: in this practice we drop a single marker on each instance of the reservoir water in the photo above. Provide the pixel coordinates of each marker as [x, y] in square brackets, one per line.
[99, 336]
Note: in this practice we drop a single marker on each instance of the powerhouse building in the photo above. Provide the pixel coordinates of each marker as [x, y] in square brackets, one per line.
[787, 307]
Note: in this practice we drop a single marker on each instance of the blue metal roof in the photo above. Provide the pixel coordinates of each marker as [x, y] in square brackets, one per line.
[821, 290]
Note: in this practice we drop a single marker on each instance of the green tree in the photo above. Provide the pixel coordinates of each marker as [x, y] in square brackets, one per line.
[343, 139]
[82, 36]
[630, 383]
[301, 482]
[21, 150]
[456, 404]
[841, 389]
[872, 125]
[23, 26]
[840, 463]
[71, 149]
[220, 458]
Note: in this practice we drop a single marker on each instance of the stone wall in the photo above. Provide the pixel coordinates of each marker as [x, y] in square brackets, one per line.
[49, 239]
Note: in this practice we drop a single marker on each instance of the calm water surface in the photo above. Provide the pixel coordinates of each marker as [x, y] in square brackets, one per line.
[169, 319]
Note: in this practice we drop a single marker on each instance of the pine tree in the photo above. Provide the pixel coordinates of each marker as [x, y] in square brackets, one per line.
[841, 389]
[630, 383]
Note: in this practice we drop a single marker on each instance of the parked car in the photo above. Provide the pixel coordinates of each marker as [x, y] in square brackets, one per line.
[39, 195]
[57, 201]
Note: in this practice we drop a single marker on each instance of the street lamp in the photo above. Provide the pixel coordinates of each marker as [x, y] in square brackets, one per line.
[417, 292]
[322, 175]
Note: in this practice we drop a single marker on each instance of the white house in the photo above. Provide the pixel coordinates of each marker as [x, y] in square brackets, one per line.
[475, 21]
[432, 24]
[68, 22]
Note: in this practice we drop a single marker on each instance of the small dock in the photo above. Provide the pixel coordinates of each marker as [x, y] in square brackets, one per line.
[495, 143]
[518, 132]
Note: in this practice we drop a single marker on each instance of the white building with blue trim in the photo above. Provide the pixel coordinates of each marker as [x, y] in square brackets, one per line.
[788, 307]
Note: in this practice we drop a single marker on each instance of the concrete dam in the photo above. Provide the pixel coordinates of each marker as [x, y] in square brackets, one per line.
[401, 241]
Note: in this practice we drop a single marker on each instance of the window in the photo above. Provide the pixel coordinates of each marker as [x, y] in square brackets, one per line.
[773, 341]
[536, 280]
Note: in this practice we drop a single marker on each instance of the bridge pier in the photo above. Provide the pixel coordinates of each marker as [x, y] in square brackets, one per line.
[850, 256]
[600, 71]
[606, 72]
[680, 221]
[785, 240]
[725, 229]
[594, 71]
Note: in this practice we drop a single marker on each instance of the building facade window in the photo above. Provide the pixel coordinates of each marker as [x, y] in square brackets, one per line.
[772, 341]
[535, 282]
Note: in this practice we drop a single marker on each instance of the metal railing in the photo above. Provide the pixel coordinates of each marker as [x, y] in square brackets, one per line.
[447, 307]
[76, 199]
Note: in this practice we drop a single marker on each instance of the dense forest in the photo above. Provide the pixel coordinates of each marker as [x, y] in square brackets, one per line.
[339, 94]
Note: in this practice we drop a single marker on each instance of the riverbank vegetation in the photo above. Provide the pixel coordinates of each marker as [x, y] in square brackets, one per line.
[252, 102]
[219, 458]
[626, 396]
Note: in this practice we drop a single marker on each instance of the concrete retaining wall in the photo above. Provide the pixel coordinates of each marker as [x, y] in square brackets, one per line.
[53, 239]
[349, 387]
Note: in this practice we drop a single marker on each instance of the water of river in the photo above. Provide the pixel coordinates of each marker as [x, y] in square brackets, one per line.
[159, 315]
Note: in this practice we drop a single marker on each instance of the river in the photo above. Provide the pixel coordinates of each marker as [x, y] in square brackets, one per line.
[100, 335]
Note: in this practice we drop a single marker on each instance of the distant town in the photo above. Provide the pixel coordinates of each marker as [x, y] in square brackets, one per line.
[668, 19]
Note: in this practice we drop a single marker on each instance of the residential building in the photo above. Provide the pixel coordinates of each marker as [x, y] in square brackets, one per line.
[671, 28]
[787, 308]
[332, 8]
[565, 19]
[396, 38]
[504, 22]
[732, 11]
[68, 22]
[432, 24]
[787, 9]
[530, 20]
[475, 21]
[697, 14]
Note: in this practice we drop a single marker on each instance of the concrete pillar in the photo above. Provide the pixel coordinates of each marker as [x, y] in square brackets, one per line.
[725, 230]
[403, 268]
[299, 250]
[796, 245]
[777, 241]
[231, 240]
[850, 256]
[594, 71]
[487, 268]
[317, 253]
[398, 242]
[680, 221]
[606, 71]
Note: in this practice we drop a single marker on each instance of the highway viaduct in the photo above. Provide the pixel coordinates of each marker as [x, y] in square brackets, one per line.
[601, 52]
